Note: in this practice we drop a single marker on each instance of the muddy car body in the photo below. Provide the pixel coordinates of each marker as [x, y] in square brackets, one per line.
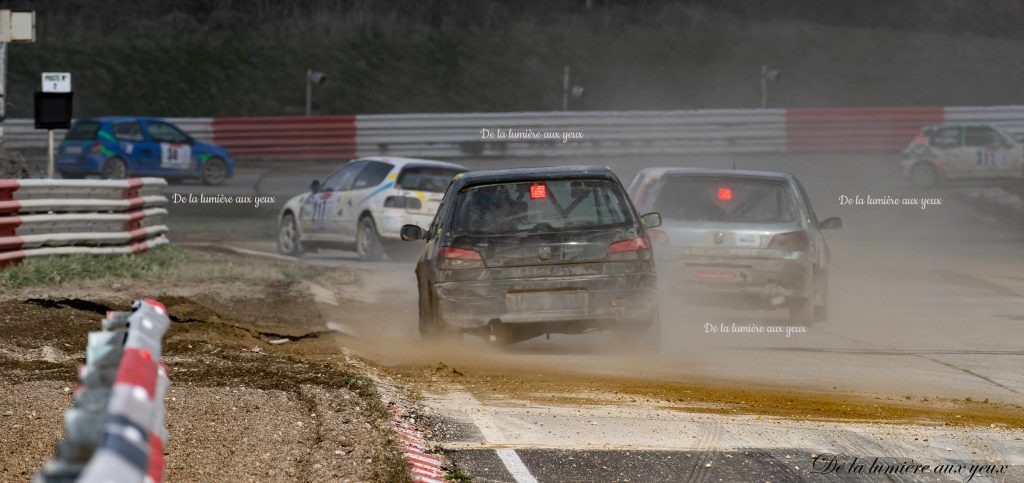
[514, 254]
[746, 239]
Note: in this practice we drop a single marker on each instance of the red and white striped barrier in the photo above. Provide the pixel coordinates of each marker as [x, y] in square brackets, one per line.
[423, 466]
[56, 217]
[115, 432]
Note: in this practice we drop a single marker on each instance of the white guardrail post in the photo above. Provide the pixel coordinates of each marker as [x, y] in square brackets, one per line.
[115, 432]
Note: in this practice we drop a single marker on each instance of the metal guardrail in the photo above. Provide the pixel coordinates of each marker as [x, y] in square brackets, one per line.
[58, 217]
[459, 135]
[115, 431]
[20, 133]
[287, 137]
[571, 133]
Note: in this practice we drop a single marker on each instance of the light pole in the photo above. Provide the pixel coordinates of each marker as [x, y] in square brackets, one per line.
[313, 77]
[768, 74]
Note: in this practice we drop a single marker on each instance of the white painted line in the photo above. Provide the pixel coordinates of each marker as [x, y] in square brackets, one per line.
[489, 429]
[515, 466]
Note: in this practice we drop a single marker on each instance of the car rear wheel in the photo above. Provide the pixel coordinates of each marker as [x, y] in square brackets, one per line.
[115, 168]
[430, 326]
[802, 312]
[288, 242]
[642, 337]
[368, 241]
[924, 175]
[821, 308]
[215, 171]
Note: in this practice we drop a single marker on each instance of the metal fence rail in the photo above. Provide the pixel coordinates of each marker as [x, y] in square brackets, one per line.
[56, 217]
[287, 137]
[466, 135]
[20, 133]
[115, 431]
[571, 133]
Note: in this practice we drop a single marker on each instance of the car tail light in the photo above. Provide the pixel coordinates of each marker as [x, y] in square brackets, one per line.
[725, 193]
[538, 191]
[794, 241]
[632, 249]
[922, 139]
[407, 202]
[96, 148]
[455, 258]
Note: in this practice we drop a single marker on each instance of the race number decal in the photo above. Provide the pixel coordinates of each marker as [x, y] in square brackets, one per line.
[175, 156]
[993, 159]
[321, 209]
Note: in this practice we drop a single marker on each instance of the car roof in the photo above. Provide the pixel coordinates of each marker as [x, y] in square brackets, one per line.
[963, 124]
[474, 178]
[121, 119]
[400, 161]
[742, 173]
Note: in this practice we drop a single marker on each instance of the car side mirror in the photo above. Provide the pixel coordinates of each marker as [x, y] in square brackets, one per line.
[651, 220]
[314, 186]
[831, 223]
[412, 233]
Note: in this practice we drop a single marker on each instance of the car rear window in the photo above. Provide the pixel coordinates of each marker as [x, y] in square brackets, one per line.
[541, 207]
[83, 131]
[427, 178]
[725, 199]
[128, 131]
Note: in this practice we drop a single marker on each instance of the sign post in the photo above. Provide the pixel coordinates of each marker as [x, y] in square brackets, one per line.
[53, 109]
[14, 27]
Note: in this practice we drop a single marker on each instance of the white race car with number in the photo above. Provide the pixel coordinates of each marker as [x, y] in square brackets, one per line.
[364, 204]
[961, 151]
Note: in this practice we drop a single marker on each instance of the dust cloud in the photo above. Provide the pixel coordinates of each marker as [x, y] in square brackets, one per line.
[895, 326]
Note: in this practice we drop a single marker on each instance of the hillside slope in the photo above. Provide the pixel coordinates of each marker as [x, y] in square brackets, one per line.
[215, 58]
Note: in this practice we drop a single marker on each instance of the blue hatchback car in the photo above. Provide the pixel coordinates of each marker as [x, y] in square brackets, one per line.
[120, 147]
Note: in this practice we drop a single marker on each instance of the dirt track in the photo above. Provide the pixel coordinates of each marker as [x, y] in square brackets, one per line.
[294, 411]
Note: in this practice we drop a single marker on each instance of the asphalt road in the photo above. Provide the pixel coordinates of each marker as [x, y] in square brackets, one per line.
[925, 303]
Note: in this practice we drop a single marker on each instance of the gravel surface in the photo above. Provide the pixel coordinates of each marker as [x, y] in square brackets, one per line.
[293, 412]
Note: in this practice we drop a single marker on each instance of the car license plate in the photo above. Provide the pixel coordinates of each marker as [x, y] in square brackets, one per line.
[73, 150]
[555, 301]
[716, 275]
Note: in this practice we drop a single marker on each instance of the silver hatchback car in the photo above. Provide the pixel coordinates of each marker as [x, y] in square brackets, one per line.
[731, 237]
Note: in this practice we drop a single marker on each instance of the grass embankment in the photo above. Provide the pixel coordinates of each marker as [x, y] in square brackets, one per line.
[167, 262]
[222, 58]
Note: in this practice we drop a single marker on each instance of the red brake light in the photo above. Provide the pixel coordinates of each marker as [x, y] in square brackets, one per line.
[460, 253]
[454, 258]
[632, 249]
[922, 139]
[725, 194]
[538, 191]
[794, 241]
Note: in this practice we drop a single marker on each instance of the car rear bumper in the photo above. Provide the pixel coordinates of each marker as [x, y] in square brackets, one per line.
[718, 281]
[79, 164]
[390, 221]
[595, 299]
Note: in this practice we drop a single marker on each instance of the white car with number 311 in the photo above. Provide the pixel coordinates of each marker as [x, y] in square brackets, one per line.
[962, 151]
[363, 205]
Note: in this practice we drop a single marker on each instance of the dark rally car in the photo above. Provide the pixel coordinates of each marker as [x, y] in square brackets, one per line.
[518, 253]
